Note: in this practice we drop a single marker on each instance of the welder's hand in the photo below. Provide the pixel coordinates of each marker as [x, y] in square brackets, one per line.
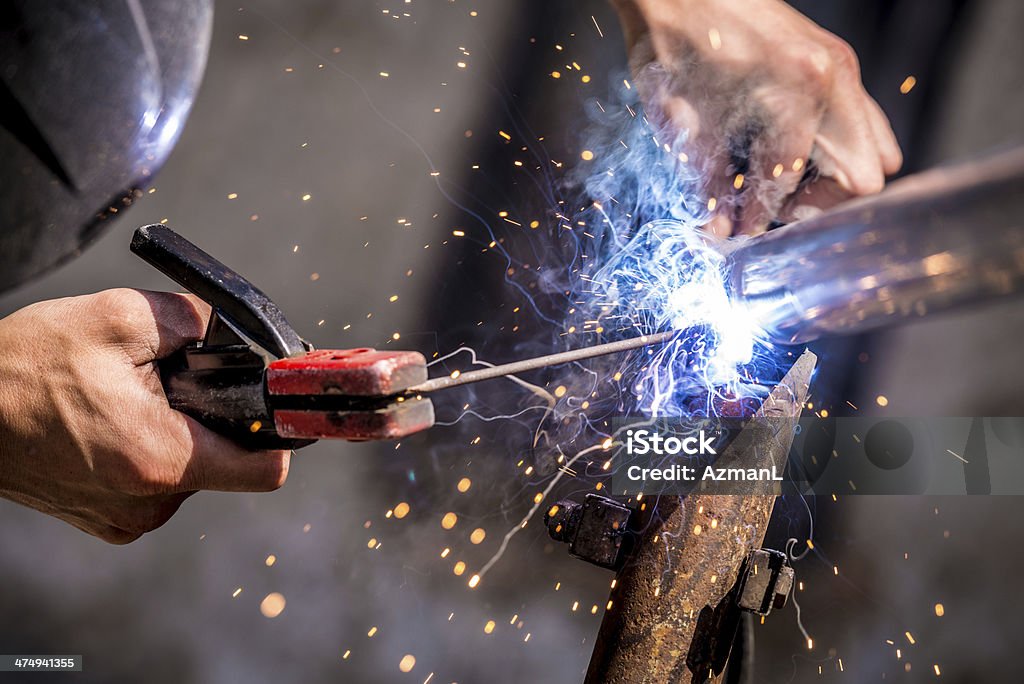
[760, 89]
[86, 433]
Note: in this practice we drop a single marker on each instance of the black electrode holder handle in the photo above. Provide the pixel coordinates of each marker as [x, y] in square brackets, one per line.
[233, 298]
[220, 380]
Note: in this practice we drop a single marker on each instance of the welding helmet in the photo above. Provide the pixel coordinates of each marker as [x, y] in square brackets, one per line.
[93, 97]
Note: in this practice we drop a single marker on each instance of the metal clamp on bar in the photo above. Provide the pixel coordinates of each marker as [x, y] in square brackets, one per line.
[595, 530]
[765, 583]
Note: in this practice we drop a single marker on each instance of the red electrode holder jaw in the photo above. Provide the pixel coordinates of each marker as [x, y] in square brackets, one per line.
[377, 378]
[254, 380]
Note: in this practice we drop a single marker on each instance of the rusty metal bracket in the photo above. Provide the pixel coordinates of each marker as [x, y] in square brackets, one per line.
[765, 582]
[596, 530]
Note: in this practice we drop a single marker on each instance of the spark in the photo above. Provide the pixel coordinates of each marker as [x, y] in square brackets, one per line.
[537, 503]
[669, 276]
[272, 605]
[715, 38]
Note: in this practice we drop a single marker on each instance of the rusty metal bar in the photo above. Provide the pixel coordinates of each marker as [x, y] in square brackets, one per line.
[673, 614]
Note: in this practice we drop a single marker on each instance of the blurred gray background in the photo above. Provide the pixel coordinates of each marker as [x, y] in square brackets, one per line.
[272, 125]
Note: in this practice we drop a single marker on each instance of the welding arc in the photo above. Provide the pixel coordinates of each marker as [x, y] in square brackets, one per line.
[447, 381]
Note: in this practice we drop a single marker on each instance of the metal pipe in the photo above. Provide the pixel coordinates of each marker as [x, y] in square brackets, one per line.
[673, 614]
[941, 239]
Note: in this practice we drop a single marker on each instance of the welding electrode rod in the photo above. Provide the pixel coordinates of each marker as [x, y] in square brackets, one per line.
[447, 381]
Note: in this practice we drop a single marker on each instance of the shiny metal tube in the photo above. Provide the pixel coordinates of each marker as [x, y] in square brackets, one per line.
[945, 238]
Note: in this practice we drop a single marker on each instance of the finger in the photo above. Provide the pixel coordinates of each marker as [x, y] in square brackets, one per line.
[152, 325]
[175, 320]
[103, 531]
[145, 514]
[635, 35]
[721, 201]
[847, 142]
[780, 157]
[888, 147]
[720, 225]
[711, 165]
[216, 463]
[811, 200]
[753, 218]
[763, 196]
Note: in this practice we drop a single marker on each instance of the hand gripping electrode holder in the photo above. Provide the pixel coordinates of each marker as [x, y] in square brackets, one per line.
[253, 379]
